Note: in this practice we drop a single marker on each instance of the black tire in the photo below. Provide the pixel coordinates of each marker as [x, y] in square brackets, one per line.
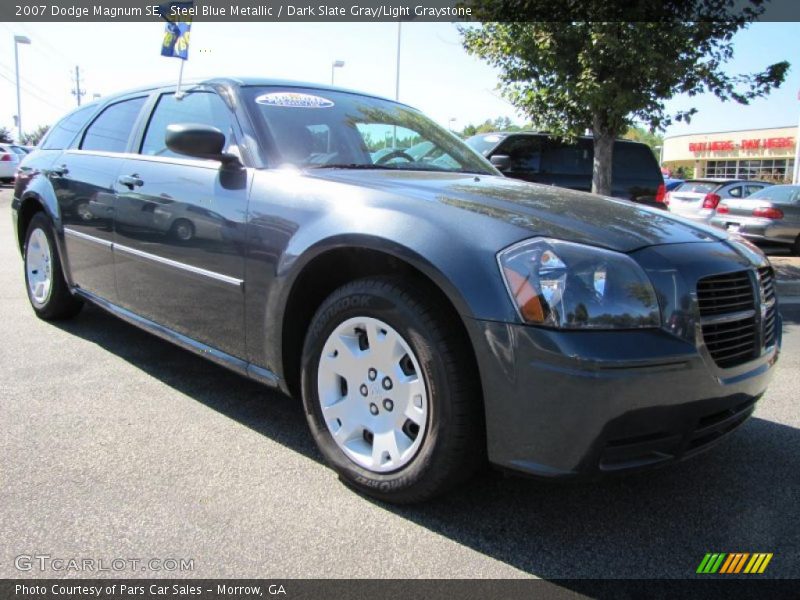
[60, 303]
[183, 230]
[454, 444]
[796, 247]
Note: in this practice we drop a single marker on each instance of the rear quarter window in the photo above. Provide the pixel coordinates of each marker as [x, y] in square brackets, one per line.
[62, 133]
[634, 161]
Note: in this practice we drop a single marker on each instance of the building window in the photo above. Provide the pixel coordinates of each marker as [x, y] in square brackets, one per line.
[774, 170]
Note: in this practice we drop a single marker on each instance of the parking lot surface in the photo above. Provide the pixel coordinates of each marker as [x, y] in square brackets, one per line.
[115, 444]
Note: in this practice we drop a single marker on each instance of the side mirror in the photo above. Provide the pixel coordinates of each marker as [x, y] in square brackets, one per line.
[199, 141]
[501, 161]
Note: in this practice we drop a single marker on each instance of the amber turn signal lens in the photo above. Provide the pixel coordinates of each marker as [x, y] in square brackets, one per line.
[530, 307]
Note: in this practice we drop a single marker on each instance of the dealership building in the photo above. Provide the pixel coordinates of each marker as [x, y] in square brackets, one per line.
[766, 154]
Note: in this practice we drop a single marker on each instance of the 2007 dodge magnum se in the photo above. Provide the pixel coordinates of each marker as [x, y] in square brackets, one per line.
[430, 312]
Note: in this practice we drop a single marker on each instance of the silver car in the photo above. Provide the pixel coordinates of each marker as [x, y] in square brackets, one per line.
[771, 216]
[697, 199]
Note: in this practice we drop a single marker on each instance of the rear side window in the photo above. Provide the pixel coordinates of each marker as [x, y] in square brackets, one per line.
[559, 158]
[634, 161]
[699, 187]
[62, 134]
[752, 189]
[110, 131]
[203, 108]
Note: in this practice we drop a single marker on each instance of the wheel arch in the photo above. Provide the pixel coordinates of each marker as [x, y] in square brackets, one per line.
[40, 197]
[331, 265]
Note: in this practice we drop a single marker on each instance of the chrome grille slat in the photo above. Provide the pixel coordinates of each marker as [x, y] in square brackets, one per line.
[766, 279]
[727, 306]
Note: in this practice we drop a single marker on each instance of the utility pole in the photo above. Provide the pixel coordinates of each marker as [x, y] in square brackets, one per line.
[78, 92]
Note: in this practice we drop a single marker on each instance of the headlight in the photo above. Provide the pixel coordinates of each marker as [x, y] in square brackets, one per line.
[573, 286]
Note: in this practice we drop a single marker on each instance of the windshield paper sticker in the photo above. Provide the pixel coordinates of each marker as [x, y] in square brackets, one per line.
[293, 100]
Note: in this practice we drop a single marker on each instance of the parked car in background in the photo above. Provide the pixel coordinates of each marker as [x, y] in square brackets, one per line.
[670, 183]
[769, 216]
[9, 162]
[697, 199]
[541, 158]
[21, 150]
[430, 313]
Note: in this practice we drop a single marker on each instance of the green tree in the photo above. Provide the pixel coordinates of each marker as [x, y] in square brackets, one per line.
[602, 66]
[34, 137]
[652, 139]
[499, 124]
[5, 135]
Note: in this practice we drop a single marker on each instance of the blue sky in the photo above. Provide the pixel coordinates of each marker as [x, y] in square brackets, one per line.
[437, 76]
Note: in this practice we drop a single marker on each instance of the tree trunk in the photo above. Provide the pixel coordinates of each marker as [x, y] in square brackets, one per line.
[603, 156]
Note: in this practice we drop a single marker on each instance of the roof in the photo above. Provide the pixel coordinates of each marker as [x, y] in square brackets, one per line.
[723, 180]
[547, 134]
[242, 82]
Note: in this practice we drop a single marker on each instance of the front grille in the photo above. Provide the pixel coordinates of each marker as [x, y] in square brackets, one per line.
[723, 294]
[735, 340]
[766, 279]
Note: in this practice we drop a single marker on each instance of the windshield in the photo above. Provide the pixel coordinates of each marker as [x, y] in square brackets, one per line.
[697, 187]
[312, 128]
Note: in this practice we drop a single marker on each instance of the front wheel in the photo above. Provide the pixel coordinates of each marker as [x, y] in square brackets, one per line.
[390, 391]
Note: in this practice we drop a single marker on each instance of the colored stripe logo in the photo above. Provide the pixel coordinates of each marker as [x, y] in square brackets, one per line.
[733, 563]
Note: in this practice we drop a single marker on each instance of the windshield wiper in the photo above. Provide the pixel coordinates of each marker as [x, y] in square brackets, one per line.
[349, 166]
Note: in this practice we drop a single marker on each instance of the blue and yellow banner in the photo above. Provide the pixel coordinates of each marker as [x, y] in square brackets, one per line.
[178, 29]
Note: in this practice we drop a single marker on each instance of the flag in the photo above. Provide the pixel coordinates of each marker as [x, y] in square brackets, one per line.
[177, 31]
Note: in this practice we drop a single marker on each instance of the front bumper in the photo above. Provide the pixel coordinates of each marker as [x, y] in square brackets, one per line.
[564, 403]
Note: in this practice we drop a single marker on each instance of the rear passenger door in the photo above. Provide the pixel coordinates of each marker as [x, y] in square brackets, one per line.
[180, 228]
[83, 181]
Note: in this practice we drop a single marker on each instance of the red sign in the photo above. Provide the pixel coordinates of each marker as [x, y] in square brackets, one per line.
[751, 144]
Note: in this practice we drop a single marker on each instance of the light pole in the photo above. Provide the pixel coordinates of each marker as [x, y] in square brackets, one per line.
[796, 175]
[19, 39]
[397, 71]
[334, 65]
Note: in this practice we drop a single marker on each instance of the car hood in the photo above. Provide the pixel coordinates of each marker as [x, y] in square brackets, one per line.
[542, 210]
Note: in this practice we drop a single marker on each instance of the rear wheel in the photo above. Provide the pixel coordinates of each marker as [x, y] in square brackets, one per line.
[391, 392]
[796, 246]
[47, 289]
[183, 230]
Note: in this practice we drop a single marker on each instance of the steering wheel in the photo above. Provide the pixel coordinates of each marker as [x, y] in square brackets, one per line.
[392, 155]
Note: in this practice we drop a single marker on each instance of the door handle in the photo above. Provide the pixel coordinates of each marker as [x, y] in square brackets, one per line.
[131, 181]
[60, 171]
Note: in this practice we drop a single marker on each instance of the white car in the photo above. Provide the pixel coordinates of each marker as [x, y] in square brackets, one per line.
[697, 199]
[9, 162]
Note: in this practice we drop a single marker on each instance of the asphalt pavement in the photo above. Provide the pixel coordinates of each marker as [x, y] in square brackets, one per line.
[115, 444]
